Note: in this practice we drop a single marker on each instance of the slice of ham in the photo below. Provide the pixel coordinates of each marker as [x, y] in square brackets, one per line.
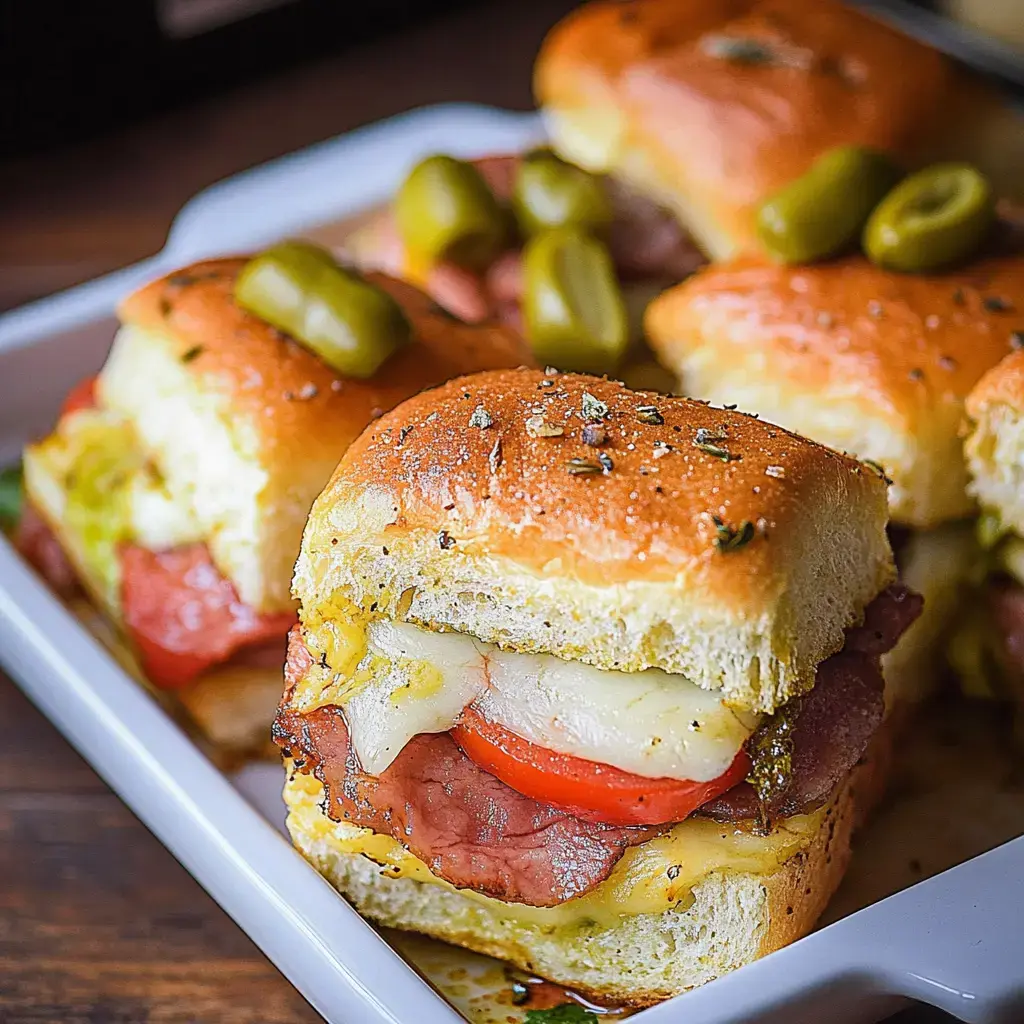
[38, 545]
[183, 616]
[468, 827]
[836, 720]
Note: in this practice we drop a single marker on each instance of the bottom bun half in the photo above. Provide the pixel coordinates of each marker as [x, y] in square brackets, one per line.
[727, 918]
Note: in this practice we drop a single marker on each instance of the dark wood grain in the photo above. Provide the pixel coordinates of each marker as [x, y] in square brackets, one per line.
[98, 923]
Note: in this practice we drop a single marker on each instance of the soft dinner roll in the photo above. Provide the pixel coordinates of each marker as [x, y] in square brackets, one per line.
[454, 769]
[211, 428]
[709, 106]
[246, 424]
[995, 441]
[490, 531]
[868, 361]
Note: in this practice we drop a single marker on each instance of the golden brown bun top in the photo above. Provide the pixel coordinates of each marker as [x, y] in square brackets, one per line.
[717, 135]
[910, 341]
[504, 491]
[293, 397]
[862, 359]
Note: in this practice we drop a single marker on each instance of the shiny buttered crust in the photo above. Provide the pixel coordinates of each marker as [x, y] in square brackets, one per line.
[867, 361]
[247, 424]
[646, 91]
[735, 917]
[480, 507]
[994, 446]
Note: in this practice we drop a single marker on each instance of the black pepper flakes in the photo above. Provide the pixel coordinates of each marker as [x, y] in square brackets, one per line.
[404, 432]
[583, 467]
[606, 461]
[673, 871]
[445, 541]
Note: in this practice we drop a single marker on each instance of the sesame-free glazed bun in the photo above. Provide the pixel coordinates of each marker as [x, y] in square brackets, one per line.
[868, 361]
[495, 531]
[246, 424]
[648, 91]
[995, 442]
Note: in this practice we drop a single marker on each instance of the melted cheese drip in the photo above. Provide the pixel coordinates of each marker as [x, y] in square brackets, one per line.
[649, 879]
[395, 681]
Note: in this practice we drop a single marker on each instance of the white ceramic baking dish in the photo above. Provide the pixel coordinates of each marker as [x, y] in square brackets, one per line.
[956, 940]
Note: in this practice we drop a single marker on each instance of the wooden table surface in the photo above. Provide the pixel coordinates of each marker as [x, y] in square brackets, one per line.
[98, 923]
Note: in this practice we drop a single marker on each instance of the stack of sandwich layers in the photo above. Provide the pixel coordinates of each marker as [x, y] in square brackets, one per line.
[591, 699]
[175, 486]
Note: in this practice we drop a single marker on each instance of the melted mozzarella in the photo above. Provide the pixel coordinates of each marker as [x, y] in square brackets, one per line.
[650, 723]
[417, 681]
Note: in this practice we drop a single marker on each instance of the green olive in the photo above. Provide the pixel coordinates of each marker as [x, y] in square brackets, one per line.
[573, 308]
[824, 211]
[934, 218]
[300, 289]
[550, 193]
[445, 211]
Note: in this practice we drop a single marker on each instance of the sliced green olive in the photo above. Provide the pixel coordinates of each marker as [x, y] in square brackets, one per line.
[550, 193]
[299, 288]
[573, 308]
[445, 210]
[824, 211]
[933, 219]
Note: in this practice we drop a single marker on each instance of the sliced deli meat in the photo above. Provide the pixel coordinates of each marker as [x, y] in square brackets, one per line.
[829, 729]
[183, 616]
[468, 827]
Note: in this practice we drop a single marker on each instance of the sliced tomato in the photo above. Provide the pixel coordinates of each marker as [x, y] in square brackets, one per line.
[81, 396]
[183, 616]
[587, 789]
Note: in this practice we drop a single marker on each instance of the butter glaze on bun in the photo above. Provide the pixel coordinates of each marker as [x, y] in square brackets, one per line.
[867, 361]
[495, 531]
[648, 91]
[247, 424]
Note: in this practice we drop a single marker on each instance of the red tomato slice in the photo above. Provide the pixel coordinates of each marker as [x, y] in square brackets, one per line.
[183, 616]
[587, 789]
[81, 396]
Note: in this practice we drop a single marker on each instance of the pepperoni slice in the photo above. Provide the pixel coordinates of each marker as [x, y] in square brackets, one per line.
[184, 616]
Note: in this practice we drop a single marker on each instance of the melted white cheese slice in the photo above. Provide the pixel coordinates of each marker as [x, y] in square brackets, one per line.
[649, 723]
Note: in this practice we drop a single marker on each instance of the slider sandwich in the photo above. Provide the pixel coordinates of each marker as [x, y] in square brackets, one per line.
[588, 678]
[567, 258]
[175, 486]
[871, 361]
[707, 107]
[990, 642]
